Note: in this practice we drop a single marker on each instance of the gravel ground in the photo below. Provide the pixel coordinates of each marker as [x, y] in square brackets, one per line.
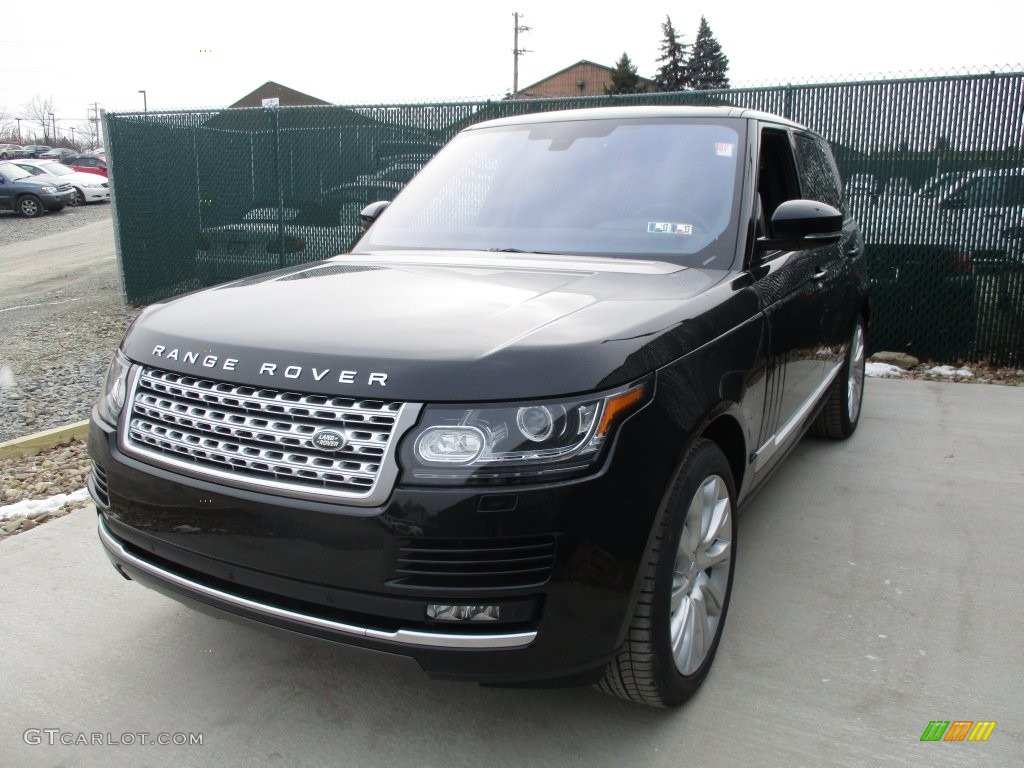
[60, 470]
[56, 344]
[15, 228]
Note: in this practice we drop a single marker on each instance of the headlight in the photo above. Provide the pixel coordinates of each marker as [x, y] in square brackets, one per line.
[518, 442]
[93, 186]
[115, 389]
[48, 190]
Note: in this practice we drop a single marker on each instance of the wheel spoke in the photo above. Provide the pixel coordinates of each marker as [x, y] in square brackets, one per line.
[680, 626]
[690, 539]
[714, 595]
[698, 633]
[715, 555]
[855, 374]
[680, 588]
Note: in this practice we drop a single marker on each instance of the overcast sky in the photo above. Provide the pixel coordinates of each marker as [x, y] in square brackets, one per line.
[209, 54]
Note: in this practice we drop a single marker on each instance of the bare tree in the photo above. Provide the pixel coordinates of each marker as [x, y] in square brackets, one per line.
[6, 124]
[38, 110]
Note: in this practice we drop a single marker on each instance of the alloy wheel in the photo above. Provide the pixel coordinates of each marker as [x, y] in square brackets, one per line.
[700, 575]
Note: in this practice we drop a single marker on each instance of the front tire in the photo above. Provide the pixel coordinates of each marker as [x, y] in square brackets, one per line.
[77, 199]
[841, 413]
[687, 582]
[30, 206]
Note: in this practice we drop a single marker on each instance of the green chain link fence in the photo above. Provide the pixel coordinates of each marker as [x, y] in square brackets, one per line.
[933, 168]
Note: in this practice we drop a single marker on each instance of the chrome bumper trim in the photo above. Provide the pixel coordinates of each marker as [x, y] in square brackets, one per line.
[402, 636]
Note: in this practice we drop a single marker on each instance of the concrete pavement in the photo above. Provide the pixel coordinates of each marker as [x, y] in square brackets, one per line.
[879, 586]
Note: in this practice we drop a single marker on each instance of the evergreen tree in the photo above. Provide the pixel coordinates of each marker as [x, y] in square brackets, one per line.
[707, 67]
[624, 78]
[672, 75]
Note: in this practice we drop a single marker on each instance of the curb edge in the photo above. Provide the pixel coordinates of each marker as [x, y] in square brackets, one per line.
[30, 445]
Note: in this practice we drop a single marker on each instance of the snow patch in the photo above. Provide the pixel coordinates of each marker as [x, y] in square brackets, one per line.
[27, 507]
[7, 378]
[882, 370]
[951, 372]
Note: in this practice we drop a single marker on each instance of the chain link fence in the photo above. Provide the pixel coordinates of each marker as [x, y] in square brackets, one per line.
[933, 168]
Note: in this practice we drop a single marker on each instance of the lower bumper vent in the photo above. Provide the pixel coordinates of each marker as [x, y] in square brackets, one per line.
[475, 564]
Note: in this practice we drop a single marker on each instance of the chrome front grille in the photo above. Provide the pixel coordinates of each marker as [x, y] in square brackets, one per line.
[64, 188]
[262, 437]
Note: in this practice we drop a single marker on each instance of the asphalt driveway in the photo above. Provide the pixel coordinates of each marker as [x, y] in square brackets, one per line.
[879, 586]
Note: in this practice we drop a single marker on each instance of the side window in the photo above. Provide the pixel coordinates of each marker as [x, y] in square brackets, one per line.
[818, 172]
[776, 176]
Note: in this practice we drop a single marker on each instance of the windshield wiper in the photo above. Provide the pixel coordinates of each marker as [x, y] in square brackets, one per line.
[518, 250]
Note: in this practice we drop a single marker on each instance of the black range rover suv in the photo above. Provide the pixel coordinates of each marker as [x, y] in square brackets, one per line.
[508, 434]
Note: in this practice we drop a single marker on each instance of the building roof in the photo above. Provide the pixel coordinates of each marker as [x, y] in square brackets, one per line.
[288, 97]
[584, 78]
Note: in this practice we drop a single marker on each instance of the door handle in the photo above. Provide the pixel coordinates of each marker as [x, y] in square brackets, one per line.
[819, 275]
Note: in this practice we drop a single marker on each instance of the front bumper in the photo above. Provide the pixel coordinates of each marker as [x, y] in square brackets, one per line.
[56, 200]
[95, 194]
[561, 560]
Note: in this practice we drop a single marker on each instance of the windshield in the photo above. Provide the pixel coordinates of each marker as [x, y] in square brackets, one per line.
[661, 188]
[12, 172]
[55, 169]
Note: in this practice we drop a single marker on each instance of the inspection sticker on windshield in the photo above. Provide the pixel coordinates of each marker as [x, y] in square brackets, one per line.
[724, 148]
[668, 228]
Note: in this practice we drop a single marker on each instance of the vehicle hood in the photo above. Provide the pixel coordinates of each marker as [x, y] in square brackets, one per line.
[83, 178]
[440, 326]
[44, 180]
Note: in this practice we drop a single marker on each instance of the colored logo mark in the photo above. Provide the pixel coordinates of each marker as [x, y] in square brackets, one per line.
[958, 730]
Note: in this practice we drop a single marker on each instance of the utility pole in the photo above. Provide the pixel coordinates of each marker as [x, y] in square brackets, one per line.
[95, 120]
[517, 51]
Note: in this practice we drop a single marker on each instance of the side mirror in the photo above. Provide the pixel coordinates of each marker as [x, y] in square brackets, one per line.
[371, 213]
[799, 225]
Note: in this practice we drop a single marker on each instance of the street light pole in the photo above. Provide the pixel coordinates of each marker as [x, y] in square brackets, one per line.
[19, 129]
[53, 127]
[144, 107]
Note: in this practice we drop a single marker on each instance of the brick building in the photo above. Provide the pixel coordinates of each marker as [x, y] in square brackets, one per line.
[584, 78]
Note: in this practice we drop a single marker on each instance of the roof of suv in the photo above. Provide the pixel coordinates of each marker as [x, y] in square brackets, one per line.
[610, 113]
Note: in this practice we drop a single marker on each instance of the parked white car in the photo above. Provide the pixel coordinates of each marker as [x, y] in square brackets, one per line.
[89, 187]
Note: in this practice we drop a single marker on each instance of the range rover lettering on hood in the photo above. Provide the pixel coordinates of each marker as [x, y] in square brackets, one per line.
[206, 360]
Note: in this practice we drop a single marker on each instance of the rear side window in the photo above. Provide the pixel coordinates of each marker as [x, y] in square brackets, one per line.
[818, 174]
